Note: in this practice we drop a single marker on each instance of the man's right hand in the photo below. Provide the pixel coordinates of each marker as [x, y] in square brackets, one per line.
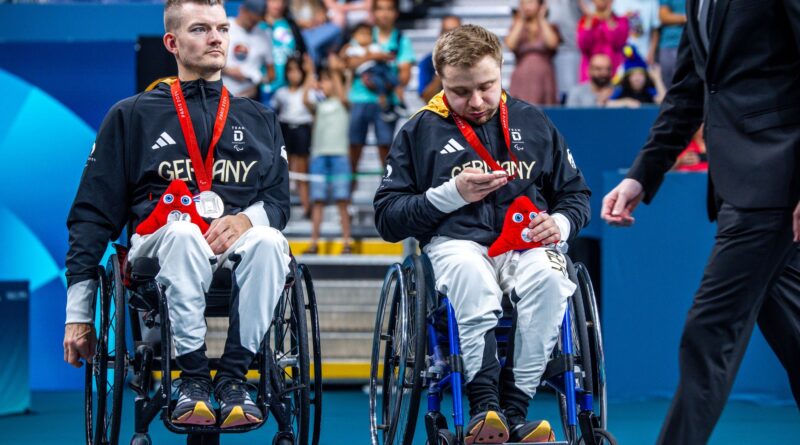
[619, 203]
[79, 343]
[473, 184]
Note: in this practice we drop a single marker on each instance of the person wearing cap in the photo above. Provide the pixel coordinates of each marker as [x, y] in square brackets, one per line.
[250, 52]
[190, 133]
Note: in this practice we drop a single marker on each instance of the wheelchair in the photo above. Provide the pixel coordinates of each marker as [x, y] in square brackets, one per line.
[288, 363]
[416, 345]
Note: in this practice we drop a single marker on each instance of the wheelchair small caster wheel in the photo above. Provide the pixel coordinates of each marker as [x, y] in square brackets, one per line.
[141, 439]
[283, 439]
[601, 437]
[444, 437]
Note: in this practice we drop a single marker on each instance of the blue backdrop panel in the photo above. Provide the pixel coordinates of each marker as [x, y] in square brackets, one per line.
[87, 77]
[39, 175]
[601, 140]
[650, 274]
[15, 393]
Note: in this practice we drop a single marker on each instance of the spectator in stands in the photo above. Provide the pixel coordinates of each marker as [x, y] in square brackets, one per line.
[320, 35]
[296, 120]
[346, 13]
[694, 158]
[374, 72]
[564, 15]
[601, 32]
[429, 82]
[533, 41]
[364, 107]
[596, 91]
[287, 41]
[643, 25]
[638, 84]
[250, 56]
[673, 18]
[330, 163]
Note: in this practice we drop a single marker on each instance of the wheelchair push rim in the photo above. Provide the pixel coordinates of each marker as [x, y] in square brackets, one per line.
[403, 354]
[316, 357]
[289, 365]
[105, 376]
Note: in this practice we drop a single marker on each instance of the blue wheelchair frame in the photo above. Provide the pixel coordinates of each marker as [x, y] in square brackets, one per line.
[453, 378]
[421, 349]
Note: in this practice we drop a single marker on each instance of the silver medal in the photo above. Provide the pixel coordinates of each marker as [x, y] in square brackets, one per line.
[209, 205]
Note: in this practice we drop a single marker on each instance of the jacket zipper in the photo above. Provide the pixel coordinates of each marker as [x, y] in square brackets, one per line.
[492, 196]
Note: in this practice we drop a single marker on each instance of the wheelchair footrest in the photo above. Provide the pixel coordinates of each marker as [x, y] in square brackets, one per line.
[548, 443]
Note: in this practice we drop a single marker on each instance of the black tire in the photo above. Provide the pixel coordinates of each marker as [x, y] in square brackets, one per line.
[445, 437]
[291, 360]
[595, 339]
[404, 297]
[601, 437]
[104, 408]
[312, 317]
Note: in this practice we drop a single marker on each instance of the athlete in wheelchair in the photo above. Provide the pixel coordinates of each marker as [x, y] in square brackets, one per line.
[214, 251]
[454, 170]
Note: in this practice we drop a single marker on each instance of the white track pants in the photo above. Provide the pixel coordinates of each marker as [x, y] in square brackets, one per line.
[475, 284]
[262, 263]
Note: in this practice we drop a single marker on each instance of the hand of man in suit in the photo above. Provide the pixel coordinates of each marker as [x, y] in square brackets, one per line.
[796, 223]
[619, 203]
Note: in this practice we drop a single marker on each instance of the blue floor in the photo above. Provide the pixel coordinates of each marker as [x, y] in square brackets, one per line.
[57, 419]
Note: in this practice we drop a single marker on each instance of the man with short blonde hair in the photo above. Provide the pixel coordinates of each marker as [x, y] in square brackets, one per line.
[451, 175]
[188, 129]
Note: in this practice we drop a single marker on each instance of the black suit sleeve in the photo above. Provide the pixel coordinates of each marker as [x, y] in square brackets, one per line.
[680, 116]
[793, 14]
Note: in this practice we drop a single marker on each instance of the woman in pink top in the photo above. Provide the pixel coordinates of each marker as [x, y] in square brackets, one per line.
[601, 32]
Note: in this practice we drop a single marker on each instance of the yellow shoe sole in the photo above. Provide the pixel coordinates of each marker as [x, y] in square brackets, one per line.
[492, 430]
[238, 417]
[200, 415]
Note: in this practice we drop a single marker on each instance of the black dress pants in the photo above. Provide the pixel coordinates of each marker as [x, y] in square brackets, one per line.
[752, 276]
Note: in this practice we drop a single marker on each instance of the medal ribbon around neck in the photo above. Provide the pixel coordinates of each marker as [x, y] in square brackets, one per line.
[202, 171]
[477, 145]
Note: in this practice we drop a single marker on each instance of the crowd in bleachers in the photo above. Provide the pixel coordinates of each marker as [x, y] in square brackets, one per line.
[326, 66]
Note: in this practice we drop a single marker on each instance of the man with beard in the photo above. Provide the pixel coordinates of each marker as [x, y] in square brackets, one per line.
[594, 93]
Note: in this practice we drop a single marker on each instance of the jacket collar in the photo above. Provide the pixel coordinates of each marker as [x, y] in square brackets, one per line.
[189, 88]
[436, 105]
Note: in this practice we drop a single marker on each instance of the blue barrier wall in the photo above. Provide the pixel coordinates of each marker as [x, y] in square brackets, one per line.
[650, 274]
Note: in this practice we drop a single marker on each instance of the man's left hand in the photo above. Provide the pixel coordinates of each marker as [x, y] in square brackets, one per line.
[224, 232]
[796, 223]
[544, 229]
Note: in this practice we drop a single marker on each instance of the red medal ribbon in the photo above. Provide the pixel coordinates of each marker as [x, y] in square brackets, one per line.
[477, 145]
[202, 171]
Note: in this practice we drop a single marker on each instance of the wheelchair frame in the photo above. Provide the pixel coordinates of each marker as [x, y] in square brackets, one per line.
[421, 347]
[288, 394]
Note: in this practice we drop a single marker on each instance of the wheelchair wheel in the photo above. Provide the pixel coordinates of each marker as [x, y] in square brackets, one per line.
[105, 377]
[316, 353]
[581, 353]
[444, 437]
[595, 341]
[400, 323]
[290, 374]
[601, 437]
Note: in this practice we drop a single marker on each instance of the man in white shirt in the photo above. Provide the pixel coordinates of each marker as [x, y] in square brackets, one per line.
[250, 56]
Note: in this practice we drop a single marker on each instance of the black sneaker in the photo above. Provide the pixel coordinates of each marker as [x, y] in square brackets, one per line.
[236, 408]
[194, 404]
[488, 427]
[536, 431]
